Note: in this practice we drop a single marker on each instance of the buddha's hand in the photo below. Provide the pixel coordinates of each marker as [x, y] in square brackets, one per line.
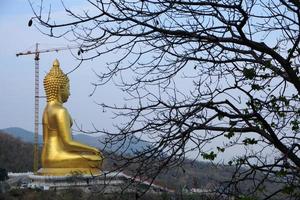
[97, 152]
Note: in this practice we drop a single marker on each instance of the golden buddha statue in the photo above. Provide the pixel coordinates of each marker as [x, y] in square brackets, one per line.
[61, 155]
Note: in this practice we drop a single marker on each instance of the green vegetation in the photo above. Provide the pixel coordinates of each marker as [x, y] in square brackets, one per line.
[15, 155]
[74, 194]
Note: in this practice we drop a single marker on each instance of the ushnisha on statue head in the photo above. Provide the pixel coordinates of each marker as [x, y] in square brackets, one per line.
[56, 84]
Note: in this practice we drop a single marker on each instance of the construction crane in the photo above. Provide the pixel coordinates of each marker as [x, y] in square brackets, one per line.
[37, 53]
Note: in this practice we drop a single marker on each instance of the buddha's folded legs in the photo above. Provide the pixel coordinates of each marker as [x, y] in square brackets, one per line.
[72, 160]
[73, 164]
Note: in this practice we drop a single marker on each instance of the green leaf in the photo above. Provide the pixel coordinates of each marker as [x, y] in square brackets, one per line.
[281, 114]
[248, 103]
[288, 189]
[284, 100]
[220, 116]
[247, 198]
[249, 141]
[295, 125]
[273, 124]
[249, 73]
[220, 149]
[256, 87]
[232, 123]
[229, 135]
[262, 188]
[281, 173]
[268, 64]
[241, 161]
[209, 156]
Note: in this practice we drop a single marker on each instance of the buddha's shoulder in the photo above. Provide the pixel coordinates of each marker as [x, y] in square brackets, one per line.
[57, 110]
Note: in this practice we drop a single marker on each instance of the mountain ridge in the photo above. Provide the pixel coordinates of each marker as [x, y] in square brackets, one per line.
[96, 141]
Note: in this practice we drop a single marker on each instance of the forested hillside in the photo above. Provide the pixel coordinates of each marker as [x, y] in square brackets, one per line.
[15, 155]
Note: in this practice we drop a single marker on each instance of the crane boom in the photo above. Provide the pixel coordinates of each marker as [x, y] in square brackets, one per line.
[46, 50]
[37, 53]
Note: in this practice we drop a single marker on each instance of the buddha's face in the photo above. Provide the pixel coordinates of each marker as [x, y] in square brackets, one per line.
[65, 93]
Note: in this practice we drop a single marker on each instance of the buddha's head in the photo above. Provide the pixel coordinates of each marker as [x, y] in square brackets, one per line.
[56, 84]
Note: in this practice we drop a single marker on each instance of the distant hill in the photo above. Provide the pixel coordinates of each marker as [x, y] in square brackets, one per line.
[125, 147]
[22, 134]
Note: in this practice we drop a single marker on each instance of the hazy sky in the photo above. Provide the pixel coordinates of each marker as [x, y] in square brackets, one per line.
[17, 73]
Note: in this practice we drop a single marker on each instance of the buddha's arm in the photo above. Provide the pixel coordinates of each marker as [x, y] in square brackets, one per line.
[63, 127]
[45, 130]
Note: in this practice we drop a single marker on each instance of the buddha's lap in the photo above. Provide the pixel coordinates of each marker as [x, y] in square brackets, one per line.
[71, 155]
[77, 162]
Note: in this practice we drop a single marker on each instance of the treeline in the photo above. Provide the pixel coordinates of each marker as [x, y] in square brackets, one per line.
[15, 155]
[189, 174]
[72, 194]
